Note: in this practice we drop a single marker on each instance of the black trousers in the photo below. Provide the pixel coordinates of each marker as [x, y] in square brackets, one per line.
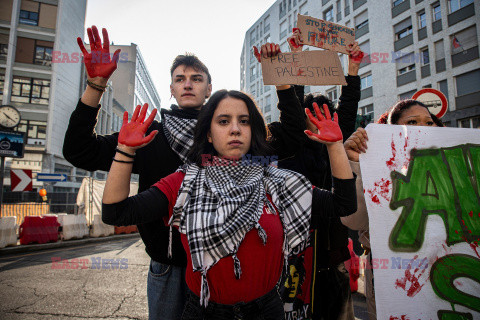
[267, 307]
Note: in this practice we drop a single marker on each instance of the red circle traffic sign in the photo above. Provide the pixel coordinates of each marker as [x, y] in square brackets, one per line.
[439, 94]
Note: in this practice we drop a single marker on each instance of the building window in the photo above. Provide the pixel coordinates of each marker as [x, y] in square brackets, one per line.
[443, 87]
[339, 7]
[2, 83]
[454, 5]
[403, 33]
[29, 17]
[283, 9]
[406, 69]
[283, 30]
[361, 20]
[439, 50]
[464, 40]
[29, 90]
[468, 83]
[332, 96]
[436, 12]
[422, 20]
[470, 123]
[36, 131]
[253, 92]
[328, 14]
[253, 73]
[268, 119]
[424, 55]
[365, 81]
[397, 2]
[252, 37]
[366, 110]
[266, 27]
[43, 55]
[3, 50]
[268, 103]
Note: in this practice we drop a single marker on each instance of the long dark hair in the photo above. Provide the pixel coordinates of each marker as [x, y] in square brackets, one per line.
[260, 134]
[392, 116]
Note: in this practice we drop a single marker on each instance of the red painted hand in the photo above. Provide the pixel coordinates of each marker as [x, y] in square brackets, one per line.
[132, 134]
[98, 62]
[267, 50]
[328, 130]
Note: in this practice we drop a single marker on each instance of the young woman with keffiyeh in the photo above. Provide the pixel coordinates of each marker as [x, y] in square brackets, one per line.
[238, 218]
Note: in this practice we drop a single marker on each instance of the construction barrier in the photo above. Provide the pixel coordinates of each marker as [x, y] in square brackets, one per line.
[74, 226]
[100, 229]
[39, 229]
[125, 230]
[8, 232]
[23, 209]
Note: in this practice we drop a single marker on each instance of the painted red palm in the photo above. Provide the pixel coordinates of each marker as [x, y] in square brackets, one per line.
[328, 130]
[98, 62]
[132, 133]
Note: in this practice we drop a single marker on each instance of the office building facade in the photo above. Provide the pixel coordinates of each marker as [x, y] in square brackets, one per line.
[412, 44]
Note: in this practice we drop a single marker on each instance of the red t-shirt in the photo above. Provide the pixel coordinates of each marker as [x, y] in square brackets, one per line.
[261, 264]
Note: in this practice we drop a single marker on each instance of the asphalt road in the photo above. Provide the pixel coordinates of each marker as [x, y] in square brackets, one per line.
[107, 281]
[98, 281]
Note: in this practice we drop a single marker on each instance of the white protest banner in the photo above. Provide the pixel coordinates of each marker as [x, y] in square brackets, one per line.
[303, 68]
[325, 34]
[421, 187]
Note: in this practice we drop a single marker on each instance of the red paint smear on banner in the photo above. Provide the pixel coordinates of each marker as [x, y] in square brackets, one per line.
[380, 188]
[402, 317]
[391, 162]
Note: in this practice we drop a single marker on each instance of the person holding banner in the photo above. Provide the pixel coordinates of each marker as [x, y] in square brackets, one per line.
[238, 217]
[406, 112]
[328, 294]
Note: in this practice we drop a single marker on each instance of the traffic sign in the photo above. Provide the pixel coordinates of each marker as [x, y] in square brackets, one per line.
[51, 177]
[21, 180]
[434, 99]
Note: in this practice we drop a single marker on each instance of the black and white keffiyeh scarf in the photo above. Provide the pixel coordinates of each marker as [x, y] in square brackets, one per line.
[178, 127]
[217, 205]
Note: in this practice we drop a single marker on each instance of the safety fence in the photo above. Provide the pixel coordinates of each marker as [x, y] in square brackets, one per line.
[27, 218]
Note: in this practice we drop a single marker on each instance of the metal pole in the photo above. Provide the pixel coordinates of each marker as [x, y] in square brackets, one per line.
[2, 169]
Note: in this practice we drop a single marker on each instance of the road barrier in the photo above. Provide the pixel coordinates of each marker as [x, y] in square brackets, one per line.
[100, 229]
[74, 226]
[126, 230]
[39, 229]
[8, 232]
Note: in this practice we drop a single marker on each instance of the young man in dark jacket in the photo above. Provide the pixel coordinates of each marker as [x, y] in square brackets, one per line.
[330, 296]
[191, 86]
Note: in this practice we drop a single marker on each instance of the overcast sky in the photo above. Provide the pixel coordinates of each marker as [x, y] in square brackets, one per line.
[212, 29]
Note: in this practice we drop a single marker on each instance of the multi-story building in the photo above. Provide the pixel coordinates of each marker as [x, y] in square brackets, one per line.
[132, 82]
[45, 93]
[412, 44]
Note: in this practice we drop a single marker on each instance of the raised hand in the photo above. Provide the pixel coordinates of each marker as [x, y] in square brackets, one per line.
[294, 41]
[328, 131]
[356, 144]
[355, 57]
[98, 62]
[132, 134]
[267, 50]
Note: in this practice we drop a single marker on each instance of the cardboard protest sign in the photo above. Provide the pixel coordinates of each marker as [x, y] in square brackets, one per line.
[325, 34]
[303, 68]
[422, 189]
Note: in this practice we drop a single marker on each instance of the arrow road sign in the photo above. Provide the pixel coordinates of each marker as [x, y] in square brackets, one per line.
[51, 177]
[21, 180]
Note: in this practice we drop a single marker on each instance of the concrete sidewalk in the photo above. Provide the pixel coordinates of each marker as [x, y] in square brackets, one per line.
[63, 243]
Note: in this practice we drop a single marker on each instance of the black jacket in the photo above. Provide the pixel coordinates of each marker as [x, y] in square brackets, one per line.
[312, 161]
[84, 149]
